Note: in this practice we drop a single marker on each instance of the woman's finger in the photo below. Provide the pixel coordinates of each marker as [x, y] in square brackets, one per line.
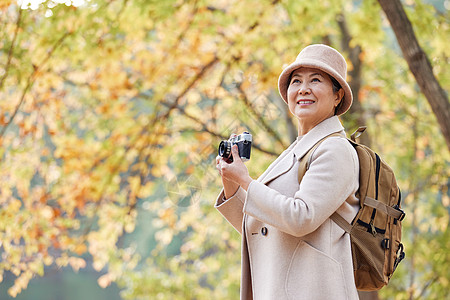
[219, 164]
[235, 153]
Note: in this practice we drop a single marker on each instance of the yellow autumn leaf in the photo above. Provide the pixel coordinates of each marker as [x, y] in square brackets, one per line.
[104, 280]
[76, 263]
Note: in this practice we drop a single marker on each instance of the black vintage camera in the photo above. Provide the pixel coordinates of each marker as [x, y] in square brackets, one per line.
[244, 143]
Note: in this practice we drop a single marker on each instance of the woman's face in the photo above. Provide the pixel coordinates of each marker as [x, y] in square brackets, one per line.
[311, 98]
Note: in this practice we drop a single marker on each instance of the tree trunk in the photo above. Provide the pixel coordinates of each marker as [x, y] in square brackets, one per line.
[355, 117]
[419, 64]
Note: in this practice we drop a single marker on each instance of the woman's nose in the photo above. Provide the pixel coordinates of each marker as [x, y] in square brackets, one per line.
[304, 89]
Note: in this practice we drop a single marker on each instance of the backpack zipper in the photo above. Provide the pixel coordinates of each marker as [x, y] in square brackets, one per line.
[377, 179]
[369, 227]
[377, 174]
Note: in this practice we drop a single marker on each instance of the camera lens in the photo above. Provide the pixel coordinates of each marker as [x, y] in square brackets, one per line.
[225, 149]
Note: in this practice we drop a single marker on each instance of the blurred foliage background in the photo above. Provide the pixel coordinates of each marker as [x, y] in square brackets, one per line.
[111, 112]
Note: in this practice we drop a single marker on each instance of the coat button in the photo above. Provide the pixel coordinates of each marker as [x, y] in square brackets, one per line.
[264, 231]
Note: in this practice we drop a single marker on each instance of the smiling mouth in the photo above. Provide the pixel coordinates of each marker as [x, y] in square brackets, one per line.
[305, 102]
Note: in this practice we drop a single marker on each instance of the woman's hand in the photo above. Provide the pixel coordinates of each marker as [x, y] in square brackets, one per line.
[229, 187]
[233, 174]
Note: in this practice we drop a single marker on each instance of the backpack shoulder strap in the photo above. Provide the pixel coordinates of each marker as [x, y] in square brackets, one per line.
[304, 166]
[306, 159]
[339, 220]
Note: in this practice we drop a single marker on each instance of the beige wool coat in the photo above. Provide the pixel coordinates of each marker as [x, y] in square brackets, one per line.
[291, 249]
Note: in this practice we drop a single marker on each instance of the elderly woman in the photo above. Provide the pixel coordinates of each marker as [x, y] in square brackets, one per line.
[291, 249]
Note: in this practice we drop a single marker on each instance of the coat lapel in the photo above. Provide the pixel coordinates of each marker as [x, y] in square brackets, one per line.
[270, 170]
[283, 166]
[298, 149]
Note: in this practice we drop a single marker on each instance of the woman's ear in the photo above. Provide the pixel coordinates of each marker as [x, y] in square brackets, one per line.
[339, 97]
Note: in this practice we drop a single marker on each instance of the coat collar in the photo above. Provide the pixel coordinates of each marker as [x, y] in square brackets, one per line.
[326, 127]
[300, 147]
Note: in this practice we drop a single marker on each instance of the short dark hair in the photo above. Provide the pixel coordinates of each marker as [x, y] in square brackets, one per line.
[336, 87]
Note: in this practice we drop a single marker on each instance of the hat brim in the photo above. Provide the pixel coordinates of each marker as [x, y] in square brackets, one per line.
[283, 80]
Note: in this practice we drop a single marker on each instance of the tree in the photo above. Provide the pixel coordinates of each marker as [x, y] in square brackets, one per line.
[419, 64]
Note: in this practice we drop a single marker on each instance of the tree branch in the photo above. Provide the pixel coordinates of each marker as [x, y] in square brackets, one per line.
[218, 135]
[11, 49]
[30, 81]
[258, 117]
[178, 40]
[198, 76]
[427, 285]
[419, 64]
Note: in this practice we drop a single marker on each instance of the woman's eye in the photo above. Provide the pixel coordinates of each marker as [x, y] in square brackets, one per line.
[295, 81]
[315, 80]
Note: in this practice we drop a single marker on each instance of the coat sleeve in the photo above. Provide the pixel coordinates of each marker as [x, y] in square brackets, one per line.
[331, 178]
[232, 208]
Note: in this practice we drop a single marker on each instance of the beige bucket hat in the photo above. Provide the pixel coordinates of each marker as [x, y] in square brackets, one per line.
[326, 59]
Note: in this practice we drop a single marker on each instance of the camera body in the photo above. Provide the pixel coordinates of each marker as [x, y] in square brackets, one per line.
[244, 143]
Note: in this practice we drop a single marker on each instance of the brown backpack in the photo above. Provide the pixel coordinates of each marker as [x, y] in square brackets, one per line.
[375, 232]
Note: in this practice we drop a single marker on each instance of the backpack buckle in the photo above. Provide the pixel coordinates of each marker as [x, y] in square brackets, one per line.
[402, 216]
[400, 256]
[357, 133]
